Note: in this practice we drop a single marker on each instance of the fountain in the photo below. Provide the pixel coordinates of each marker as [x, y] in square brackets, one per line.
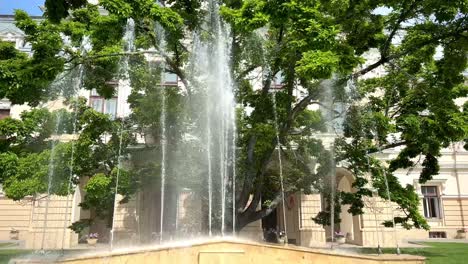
[50, 178]
[208, 125]
[280, 164]
[214, 126]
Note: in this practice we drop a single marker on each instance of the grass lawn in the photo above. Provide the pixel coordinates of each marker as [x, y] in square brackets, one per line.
[4, 245]
[7, 254]
[437, 253]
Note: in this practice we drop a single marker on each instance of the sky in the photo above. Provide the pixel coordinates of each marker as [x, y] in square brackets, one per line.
[30, 6]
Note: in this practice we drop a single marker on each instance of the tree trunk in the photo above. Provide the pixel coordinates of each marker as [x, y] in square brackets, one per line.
[248, 216]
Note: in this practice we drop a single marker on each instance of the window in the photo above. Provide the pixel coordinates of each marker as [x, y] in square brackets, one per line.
[431, 201]
[278, 81]
[437, 235]
[170, 79]
[102, 105]
[4, 113]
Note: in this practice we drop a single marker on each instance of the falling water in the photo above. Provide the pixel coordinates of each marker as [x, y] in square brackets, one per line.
[124, 85]
[280, 164]
[333, 186]
[233, 178]
[333, 106]
[227, 105]
[379, 249]
[50, 176]
[119, 164]
[159, 31]
[85, 46]
[163, 159]
[387, 187]
[391, 209]
[207, 126]
[211, 63]
[375, 204]
[330, 121]
[210, 172]
[72, 156]
[222, 174]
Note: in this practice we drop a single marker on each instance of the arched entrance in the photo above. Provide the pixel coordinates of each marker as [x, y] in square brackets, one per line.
[349, 224]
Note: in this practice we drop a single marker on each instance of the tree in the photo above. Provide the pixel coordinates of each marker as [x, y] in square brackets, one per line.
[35, 161]
[309, 43]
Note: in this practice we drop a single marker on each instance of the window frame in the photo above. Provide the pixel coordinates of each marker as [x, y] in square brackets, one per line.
[277, 82]
[170, 83]
[93, 95]
[431, 211]
[4, 110]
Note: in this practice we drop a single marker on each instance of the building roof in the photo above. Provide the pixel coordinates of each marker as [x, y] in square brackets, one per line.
[7, 26]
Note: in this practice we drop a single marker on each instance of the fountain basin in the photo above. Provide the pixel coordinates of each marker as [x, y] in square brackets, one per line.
[236, 252]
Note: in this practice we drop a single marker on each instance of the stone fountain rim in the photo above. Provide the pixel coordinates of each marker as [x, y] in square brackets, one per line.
[132, 251]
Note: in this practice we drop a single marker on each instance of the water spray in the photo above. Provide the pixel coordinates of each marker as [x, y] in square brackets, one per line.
[278, 144]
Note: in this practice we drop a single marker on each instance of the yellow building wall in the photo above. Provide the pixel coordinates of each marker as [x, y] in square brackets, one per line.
[310, 233]
[29, 217]
[50, 231]
[126, 226]
[14, 215]
[455, 215]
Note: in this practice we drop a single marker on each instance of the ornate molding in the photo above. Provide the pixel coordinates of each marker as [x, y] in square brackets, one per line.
[440, 182]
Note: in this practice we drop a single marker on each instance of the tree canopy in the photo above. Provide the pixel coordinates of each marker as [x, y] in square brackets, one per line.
[318, 47]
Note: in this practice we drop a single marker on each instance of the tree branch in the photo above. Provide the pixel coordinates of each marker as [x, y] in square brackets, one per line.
[245, 72]
[371, 67]
[389, 146]
[401, 19]
[295, 111]
[274, 70]
[179, 72]
[257, 215]
[387, 58]
[247, 185]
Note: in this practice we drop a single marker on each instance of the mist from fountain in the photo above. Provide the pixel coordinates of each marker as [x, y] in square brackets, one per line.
[163, 161]
[233, 163]
[387, 188]
[208, 123]
[333, 111]
[280, 164]
[197, 143]
[160, 32]
[373, 207]
[124, 84]
[50, 176]
[213, 90]
[329, 118]
[77, 86]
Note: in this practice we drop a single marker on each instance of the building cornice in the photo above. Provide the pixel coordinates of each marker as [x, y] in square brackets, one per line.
[12, 17]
